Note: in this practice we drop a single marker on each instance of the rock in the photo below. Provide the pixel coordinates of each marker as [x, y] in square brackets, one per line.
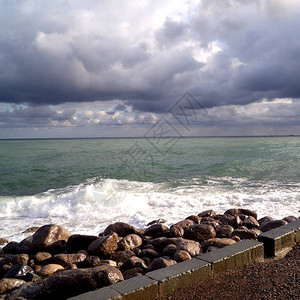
[121, 256]
[3, 241]
[236, 238]
[238, 211]
[265, 220]
[10, 248]
[226, 220]
[49, 269]
[161, 262]
[155, 229]
[28, 290]
[134, 262]
[109, 262]
[217, 243]
[192, 247]
[213, 223]
[24, 246]
[181, 255]
[93, 261]
[19, 271]
[245, 233]
[169, 250]
[224, 229]
[176, 231]
[290, 219]
[207, 213]
[66, 259]
[185, 223]
[31, 229]
[159, 221]
[14, 259]
[194, 218]
[149, 253]
[132, 273]
[272, 224]
[77, 242]
[73, 282]
[200, 232]
[50, 238]
[121, 229]
[250, 222]
[8, 284]
[41, 258]
[130, 242]
[104, 245]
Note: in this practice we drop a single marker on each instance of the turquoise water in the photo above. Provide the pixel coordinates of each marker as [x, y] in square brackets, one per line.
[59, 180]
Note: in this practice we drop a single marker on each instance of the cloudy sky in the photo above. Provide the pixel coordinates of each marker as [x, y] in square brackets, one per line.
[88, 68]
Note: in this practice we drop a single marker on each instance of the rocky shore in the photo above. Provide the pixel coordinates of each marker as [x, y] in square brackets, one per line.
[52, 263]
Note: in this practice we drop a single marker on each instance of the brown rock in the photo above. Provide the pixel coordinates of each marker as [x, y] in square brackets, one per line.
[185, 223]
[250, 222]
[121, 256]
[159, 221]
[50, 238]
[10, 248]
[290, 219]
[245, 233]
[195, 219]
[236, 238]
[161, 262]
[176, 231]
[238, 211]
[31, 229]
[3, 241]
[272, 224]
[134, 262]
[192, 247]
[224, 229]
[155, 229]
[200, 232]
[169, 250]
[73, 282]
[121, 229]
[217, 242]
[130, 242]
[104, 245]
[207, 213]
[149, 253]
[77, 242]
[93, 261]
[265, 220]
[9, 284]
[226, 220]
[66, 259]
[132, 273]
[49, 269]
[14, 259]
[109, 262]
[213, 223]
[41, 257]
[181, 255]
[24, 246]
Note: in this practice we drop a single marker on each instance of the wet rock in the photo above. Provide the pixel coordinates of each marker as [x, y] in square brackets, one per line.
[19, 271]
[213, 223]
[132, 273]
[73, 282]
[8, 284]
[41, 258]
[104, 245]
[130, 242]
[28, 290]
[149, 253]
[200, 232]
[226, 220]
[207, 213]
[265, 220]
[31, 229]
[238, 211]
[290, 219]
[109, 262]
[3, 241]
[181, 255]
[224, 229]
[169, 250]
[66, 259]
[245, 233]
[77, 242]
[250, 222]
[195, 219]
[155, 229]
[92, 261]
[50, 238]
[192, 247]
[159, 221]
[121, 256]
[10, 248]
[121, 229]
[272, 224]
[162, 262]
[217, 243]
[24, 246]
[134, 262]
[14, 259]
[185, 224]
[49, 269]
[176, 231]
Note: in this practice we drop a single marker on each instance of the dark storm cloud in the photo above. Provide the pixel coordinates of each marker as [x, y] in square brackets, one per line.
[56, 52]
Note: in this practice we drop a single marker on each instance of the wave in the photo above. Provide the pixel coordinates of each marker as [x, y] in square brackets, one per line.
[91, 206]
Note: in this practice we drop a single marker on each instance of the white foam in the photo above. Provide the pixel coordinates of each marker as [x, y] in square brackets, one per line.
[89, 208]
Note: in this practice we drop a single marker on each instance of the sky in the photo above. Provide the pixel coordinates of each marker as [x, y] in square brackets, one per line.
[88, 68]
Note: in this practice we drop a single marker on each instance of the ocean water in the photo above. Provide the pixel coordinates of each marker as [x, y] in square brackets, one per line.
[86, 184]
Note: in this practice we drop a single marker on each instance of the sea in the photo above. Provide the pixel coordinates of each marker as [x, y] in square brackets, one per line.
[87, 184]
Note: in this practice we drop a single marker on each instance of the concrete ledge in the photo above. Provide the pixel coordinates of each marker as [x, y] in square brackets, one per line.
[105, 293]
[234, 256]
[296, 227]
[277, 239]
[180, 275]
[139, 287]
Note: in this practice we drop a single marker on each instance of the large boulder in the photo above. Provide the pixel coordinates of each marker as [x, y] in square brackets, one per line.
[121, 229]
[272, 224]
[19, 271]
[41, 258]
[50, 238]
[134, 262]
[245, 233]
[8, 284]
[130, 242]
[49, 269]
[200, 232]
[105, 245]
[250, 222]
[73, 282]
[161, 262]
[155, 229]
[77, 242]
[181, 255]
[207, 213]
[121, 256]
[192, 247]
[185, 223]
